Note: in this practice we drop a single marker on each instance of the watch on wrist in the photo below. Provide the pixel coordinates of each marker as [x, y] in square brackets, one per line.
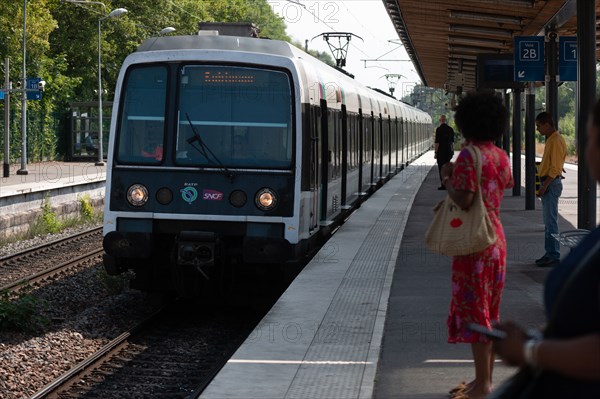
[530, 349]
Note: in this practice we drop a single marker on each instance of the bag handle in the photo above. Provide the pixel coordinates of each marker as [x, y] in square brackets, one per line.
[477, 159]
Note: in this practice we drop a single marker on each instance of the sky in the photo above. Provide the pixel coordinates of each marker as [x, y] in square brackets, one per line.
[368, 19]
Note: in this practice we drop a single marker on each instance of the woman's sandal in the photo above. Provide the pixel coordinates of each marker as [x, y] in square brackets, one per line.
[459, 388]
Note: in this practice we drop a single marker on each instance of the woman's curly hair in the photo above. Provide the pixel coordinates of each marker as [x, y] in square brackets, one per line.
[481, 116]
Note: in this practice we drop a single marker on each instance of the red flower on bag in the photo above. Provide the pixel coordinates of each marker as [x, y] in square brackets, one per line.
[456, 222]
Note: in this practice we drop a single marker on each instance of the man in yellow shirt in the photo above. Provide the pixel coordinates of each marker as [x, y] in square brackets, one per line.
[551, 169]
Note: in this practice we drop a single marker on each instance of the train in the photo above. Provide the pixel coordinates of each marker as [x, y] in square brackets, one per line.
[227, 152]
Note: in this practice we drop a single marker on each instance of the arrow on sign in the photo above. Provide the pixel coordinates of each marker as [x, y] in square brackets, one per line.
[521, 74]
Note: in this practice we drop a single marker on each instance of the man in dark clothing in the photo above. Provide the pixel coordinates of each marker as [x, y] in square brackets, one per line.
[444, 145]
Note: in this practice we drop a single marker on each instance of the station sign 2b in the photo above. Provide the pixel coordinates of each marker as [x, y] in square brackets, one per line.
[529, 59]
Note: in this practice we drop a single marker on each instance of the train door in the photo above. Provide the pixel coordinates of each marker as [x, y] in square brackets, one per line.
[415, 140]
[381, 146]
[396, 145]
[360, 150]
[345, 134]
[371, 136]
[315, 134]
[401, 142]
[352, 183]
[391, 166]
[411, 140]
[408, 142]
[325, 159]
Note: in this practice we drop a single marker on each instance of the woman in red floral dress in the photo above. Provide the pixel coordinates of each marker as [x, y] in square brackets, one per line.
[478, 278]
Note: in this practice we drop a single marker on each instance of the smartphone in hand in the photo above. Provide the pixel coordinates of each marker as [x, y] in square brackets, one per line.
[493, 333]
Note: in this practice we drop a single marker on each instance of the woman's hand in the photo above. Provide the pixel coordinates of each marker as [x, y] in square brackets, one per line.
[511, 348]
[447, 169]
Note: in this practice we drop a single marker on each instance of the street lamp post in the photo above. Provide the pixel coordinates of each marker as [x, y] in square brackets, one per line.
[112, 14]
[23, 170]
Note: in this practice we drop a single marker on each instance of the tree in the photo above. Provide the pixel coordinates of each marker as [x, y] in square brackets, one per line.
[40, 23]
[322, 56]
[62, 48]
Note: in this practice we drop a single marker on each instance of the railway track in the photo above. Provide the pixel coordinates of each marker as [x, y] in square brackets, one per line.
[40, 263]
[53, 271]
[172, 354]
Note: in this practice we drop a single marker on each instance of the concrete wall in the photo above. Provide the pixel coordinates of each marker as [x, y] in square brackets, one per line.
[18, 212]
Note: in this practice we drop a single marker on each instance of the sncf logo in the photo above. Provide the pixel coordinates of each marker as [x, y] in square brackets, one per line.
[212, 195]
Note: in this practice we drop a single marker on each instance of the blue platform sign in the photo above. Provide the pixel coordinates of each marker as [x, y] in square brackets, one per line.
[1, 95]
[529, 59]
[32, 83]
[567, 58]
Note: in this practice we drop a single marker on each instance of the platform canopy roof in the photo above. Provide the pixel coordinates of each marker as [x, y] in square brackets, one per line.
[439, 35]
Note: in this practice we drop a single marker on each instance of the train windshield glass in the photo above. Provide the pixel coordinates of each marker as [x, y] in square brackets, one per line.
[234, 117]
[142, 124]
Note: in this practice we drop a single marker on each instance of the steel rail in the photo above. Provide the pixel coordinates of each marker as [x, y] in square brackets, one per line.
[48, 245]
[94, 361]
[38, 277]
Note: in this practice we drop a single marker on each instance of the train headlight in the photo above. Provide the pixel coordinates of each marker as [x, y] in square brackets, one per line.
[137, 195]
[265, 199]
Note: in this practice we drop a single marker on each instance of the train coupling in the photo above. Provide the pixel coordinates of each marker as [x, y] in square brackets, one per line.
[196, 248]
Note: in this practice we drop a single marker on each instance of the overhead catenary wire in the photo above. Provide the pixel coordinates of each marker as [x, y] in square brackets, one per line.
[100, 14]
[184, 10]
[317, 18]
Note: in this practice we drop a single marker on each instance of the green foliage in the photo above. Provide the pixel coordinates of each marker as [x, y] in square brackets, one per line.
[62, 48]
[85, 208]
[433, 101]
[21, 314]
[322, 56]
[47, 222]
[571, 145]
[567, 124]
[49, 218]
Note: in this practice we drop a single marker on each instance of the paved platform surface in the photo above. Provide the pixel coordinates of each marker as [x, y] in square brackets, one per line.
[49, 175]
[366, 318]
[416, 360]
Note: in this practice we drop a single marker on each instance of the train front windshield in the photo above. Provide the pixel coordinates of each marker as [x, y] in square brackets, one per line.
[237, 117]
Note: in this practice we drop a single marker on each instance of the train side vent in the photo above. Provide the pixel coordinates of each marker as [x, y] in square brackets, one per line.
[243, 29]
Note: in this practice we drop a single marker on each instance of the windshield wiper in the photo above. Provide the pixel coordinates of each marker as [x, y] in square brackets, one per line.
[206, 152]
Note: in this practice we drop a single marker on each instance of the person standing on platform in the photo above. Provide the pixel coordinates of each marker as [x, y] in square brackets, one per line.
[478, 278]
[444, 145]
[551, 186]
[567, 357]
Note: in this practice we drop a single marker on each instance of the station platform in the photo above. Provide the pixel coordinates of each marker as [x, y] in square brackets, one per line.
[49, 175]
[21, 196]
[366, 318]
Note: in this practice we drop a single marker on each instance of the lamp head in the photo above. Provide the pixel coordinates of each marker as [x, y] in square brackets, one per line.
[117, 12]
[168, 29]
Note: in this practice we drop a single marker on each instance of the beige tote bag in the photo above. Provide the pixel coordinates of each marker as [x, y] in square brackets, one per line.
[456, 232]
